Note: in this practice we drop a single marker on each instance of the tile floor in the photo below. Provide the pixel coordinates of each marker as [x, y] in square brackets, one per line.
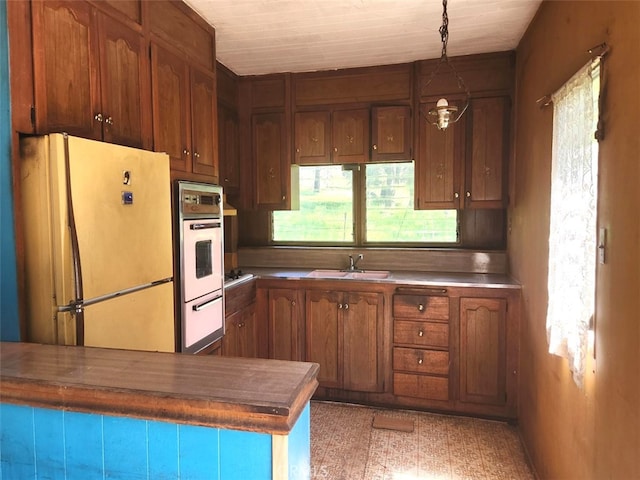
[344, 446]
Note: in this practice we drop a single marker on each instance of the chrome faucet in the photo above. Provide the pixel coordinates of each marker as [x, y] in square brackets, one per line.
[353, 263]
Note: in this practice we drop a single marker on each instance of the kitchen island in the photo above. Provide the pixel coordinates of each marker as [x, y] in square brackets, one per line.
[76, 412]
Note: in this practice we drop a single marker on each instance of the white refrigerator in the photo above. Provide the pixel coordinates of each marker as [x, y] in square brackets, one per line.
[98, 244]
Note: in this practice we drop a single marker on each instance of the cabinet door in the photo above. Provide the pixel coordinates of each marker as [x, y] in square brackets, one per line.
[171, 120]
[271, 160]
[391, 131]
[485, 182]
[67, 96]
[483, 350]
[247, 329]
[438, 163]
[312, 138]
[323, 341]
[204, 119]
[228, 149]
[240, 333]
[350, 136]
[362, 341]
[285, 324]
[124, 83]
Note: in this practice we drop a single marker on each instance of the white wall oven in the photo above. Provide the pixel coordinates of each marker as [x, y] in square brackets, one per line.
[201, 265]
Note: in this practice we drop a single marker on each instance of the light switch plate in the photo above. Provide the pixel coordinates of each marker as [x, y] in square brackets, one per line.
[602, 245]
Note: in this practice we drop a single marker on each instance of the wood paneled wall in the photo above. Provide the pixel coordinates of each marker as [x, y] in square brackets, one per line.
[591, 434]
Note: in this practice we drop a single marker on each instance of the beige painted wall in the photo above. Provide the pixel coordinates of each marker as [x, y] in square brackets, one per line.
[570, 433]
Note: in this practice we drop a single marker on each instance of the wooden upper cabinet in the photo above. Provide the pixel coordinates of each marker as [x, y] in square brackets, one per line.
[439, 161]
[272, 170]
[65, 57]
[464, 166]
[228, 149]
[171, 119]
[124, 82]
[483, 351]
[487, 152]
[391, 133]
[90, 74]
[350, 136]
[204, 123]
[184, 113]
[325, 136]
[312, 138]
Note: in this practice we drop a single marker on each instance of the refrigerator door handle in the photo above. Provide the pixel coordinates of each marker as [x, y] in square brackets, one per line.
[204, 226]
[206, 304]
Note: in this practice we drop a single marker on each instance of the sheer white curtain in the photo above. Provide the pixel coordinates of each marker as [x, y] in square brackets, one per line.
[573, 236]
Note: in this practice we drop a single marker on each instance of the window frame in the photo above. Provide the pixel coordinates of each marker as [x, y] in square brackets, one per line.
[359, 219]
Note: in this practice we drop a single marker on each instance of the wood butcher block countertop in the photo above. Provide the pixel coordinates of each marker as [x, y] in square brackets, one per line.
[231, 393]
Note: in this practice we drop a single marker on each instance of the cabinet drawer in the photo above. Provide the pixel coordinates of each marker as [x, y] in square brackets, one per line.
[421, 361]
[421, 307]
[421, 386]
[425, 334]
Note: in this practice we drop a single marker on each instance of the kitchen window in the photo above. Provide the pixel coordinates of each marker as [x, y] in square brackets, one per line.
[371, 204]
[573, 218]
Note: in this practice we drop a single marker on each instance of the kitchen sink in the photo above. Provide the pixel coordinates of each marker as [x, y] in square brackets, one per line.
[364, 275]
[327, 274]
[369, 275]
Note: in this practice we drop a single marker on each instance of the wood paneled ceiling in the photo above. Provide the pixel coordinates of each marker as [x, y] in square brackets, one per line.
[256, 37]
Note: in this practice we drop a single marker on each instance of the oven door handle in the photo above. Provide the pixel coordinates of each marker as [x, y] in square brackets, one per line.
[208, 303]
[204, 226]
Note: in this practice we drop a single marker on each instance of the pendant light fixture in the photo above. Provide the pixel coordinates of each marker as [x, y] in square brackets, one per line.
[443, 114]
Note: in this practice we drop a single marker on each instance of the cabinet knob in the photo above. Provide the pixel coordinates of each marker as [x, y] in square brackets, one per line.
[420, 333]
[185, 151]
[293, 303]
[420, 307]
[284, 197]
[456, 195]
[109, 121]
[335, 149]
[346, 306]
[297, 150]
[340, 306]
[375, 147]
[420, 361]
[468, 194]
[98, 117]
[196, 154]
[226, 180]
[240, 325]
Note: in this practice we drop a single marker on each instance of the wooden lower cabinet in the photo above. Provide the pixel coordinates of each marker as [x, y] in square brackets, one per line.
[244, 333]
[344, 335]
[421, 358]
[240, 335]
[449, 349]
[286, 323]
[483, 350]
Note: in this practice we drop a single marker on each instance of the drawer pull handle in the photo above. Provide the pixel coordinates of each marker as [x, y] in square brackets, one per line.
[421, 308]
[419, 361]
[420, 333]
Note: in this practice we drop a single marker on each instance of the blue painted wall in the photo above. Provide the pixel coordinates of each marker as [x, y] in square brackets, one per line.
[39, 443]
[9, 321]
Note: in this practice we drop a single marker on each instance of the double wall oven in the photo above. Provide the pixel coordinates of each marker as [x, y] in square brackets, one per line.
[201, 264]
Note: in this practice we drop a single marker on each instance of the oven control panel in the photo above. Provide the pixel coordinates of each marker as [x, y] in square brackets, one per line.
[197, 202]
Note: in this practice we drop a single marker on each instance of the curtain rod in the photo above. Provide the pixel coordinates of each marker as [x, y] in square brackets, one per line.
[596, 52]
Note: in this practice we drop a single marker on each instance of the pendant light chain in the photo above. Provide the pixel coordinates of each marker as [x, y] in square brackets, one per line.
[444, 29]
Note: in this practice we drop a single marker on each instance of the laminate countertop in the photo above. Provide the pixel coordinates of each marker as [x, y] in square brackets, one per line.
[398, 278]
[232, 393]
